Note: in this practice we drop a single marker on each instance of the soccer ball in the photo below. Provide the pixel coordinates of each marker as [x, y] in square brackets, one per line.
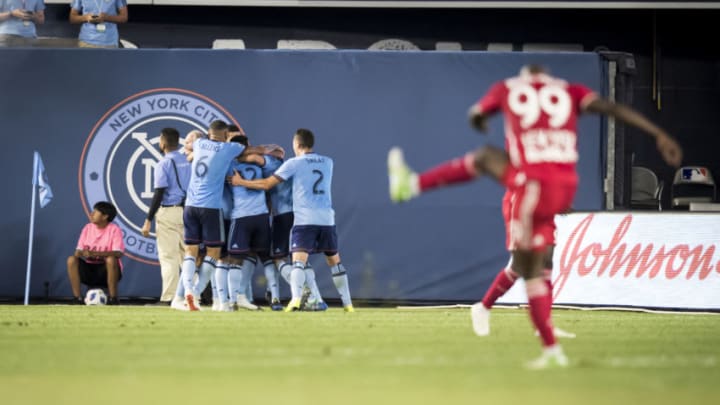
[95, 296]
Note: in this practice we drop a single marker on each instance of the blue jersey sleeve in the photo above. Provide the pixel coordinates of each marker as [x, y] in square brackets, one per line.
[287, 169]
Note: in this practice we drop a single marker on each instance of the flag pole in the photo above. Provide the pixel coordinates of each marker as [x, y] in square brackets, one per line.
[32, 228]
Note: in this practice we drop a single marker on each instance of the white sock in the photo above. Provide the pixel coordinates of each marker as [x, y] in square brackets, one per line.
[285, 269]
[188, 272]
[213, 286]
[221, 282]
[297, 279]
[341, 283]
[248, 268]
[235, 285]
[312, 285]
[272, 280]
[207, 270]
[180, 290]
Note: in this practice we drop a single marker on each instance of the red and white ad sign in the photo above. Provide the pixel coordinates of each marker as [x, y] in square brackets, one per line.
[642, 260]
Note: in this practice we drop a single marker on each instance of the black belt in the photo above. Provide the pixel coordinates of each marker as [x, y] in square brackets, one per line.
[172, 205]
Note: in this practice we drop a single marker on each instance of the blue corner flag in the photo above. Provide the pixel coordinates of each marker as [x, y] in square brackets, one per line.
[40, 179]
[41, 182]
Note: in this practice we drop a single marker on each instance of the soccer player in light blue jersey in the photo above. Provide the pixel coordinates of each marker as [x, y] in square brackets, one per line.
[314, 223]
[282, 221]
[202, 216]
[249, 234]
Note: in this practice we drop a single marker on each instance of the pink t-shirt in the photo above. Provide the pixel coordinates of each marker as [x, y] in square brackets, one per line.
[108, 239]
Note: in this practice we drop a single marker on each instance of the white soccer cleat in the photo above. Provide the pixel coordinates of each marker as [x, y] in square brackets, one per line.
[480, 319]
[563, 333]
[216, 306]
[559, 333]
[222, 307]
[178, 304]
[403, 181]
[551, 357]
[242, 302]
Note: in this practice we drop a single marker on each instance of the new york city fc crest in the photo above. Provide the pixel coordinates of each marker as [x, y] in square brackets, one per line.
[121, 151]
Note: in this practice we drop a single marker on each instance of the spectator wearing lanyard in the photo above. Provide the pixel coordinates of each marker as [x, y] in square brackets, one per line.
[99, 19]
[18, 19]
[172, 175]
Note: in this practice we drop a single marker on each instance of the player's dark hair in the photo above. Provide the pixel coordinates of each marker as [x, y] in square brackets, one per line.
[106, 208]
[171, 136]
[218, 125]
[241, 139]
[233, 128]
[306, 139]
[534, 68]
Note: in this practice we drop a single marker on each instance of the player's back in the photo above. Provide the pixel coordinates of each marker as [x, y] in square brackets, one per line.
[247, 202]
[211, 160]
[541, 115]
[312, 183]
[280, 195]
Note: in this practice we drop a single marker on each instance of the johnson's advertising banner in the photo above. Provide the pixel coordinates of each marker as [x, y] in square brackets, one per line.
[669, 260]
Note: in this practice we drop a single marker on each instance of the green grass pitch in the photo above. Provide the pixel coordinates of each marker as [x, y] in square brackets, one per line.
[147, 355]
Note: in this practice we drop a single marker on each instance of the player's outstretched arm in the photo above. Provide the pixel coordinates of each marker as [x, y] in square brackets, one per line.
[259, 184]
[668, 147]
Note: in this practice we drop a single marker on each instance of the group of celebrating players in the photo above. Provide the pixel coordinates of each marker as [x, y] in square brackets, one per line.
[226, 211]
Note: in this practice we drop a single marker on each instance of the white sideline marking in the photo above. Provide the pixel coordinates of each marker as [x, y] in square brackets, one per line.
[660, 361]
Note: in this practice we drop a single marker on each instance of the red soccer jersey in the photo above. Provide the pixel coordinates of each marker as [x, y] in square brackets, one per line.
[540, 123]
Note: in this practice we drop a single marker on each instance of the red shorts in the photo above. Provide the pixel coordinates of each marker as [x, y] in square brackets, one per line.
[532, 213]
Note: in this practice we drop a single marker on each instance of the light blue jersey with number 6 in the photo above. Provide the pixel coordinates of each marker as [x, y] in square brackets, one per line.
[211, 160]
[311, 176]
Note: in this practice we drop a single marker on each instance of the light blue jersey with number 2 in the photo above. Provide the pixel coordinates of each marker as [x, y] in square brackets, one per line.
[311, 176]
[247, 202]
[211, 160]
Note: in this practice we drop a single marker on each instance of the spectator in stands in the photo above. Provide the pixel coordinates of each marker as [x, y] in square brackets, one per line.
[99, 19]
[96, 261]
[18, 19]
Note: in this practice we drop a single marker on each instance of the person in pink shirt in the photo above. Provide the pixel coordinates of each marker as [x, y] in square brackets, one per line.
[96, 261]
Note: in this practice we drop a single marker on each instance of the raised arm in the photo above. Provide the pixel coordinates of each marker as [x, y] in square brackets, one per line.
[668, 147]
